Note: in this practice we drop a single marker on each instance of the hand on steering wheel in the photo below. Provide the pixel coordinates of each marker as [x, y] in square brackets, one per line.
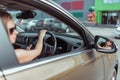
[48, 49]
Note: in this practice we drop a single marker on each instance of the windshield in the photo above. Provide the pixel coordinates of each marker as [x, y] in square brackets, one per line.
[41, 21]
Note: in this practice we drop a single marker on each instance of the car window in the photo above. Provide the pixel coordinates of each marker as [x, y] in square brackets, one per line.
[67, 39]
[43, 21]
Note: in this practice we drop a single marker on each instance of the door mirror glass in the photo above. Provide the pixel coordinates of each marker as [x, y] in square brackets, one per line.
[103, 44]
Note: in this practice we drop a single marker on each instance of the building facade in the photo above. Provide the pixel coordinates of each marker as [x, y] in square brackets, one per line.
[78, 8]
[108, 11]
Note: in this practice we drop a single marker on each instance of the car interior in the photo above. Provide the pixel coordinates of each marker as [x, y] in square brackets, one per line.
[55, 42]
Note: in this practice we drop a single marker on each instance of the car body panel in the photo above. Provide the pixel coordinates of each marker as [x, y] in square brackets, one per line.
[87, 66]
[109, 61]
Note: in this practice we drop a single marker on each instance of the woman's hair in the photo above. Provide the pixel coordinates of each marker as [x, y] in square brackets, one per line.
[5, 17]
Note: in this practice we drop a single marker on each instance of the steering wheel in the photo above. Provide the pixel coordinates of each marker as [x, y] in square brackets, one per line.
[48, 49]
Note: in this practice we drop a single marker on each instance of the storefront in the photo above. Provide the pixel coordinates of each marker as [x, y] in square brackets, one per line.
[110, 17]
[108, 11]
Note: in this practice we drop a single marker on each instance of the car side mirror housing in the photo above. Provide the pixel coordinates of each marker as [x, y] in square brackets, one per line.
[105, 45]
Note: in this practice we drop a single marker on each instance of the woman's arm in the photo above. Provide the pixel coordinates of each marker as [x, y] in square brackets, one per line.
[28, 55]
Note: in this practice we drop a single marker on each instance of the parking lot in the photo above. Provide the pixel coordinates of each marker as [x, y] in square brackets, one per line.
[109, 33]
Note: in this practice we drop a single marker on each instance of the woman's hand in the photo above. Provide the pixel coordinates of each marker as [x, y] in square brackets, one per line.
[29, 47]
[42, 33]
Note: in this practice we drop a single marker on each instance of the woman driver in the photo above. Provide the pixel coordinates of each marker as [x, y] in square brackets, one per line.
[22, 55]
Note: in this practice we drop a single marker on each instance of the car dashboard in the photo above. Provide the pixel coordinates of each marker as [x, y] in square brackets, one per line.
[64, 43]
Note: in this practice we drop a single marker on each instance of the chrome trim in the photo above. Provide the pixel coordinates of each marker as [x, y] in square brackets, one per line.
[14, 70]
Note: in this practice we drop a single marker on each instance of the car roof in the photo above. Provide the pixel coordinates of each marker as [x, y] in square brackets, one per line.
[14, 5]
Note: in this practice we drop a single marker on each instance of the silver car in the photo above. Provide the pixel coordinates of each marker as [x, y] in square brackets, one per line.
[77, 55]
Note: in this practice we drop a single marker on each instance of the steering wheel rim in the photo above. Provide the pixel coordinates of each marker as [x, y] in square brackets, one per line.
[47, 48]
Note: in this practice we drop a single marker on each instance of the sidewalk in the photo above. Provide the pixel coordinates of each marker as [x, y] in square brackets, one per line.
[104, 25]
[89, 24]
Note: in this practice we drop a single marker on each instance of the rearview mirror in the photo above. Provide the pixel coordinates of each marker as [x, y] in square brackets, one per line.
[26, 14]
[104, 45]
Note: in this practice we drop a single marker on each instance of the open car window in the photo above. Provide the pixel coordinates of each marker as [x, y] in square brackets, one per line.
[67, 40]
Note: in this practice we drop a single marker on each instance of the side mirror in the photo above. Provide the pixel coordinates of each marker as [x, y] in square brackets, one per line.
[26, 14]
[104, 45]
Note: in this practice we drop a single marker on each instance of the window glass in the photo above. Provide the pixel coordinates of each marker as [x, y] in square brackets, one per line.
[42, 21]
[67, 39]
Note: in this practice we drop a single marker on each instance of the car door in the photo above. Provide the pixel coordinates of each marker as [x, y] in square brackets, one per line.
[85, 64]
[78, 65]
[75, 65]
[82, 63]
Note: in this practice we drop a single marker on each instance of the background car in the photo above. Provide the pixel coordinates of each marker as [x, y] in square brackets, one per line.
[28, 24]
[60, 26]
[52, 24]
[64, 56]
[117, 31]
[44, 22]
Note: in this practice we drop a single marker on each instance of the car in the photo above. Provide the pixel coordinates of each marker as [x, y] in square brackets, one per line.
[28, 24]
[44, 22]
[51, 24]
[76, 55]
[60, 26]
[117, 31]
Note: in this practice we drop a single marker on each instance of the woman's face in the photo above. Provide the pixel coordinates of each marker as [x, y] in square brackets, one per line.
[109, 43]
[12, 31]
